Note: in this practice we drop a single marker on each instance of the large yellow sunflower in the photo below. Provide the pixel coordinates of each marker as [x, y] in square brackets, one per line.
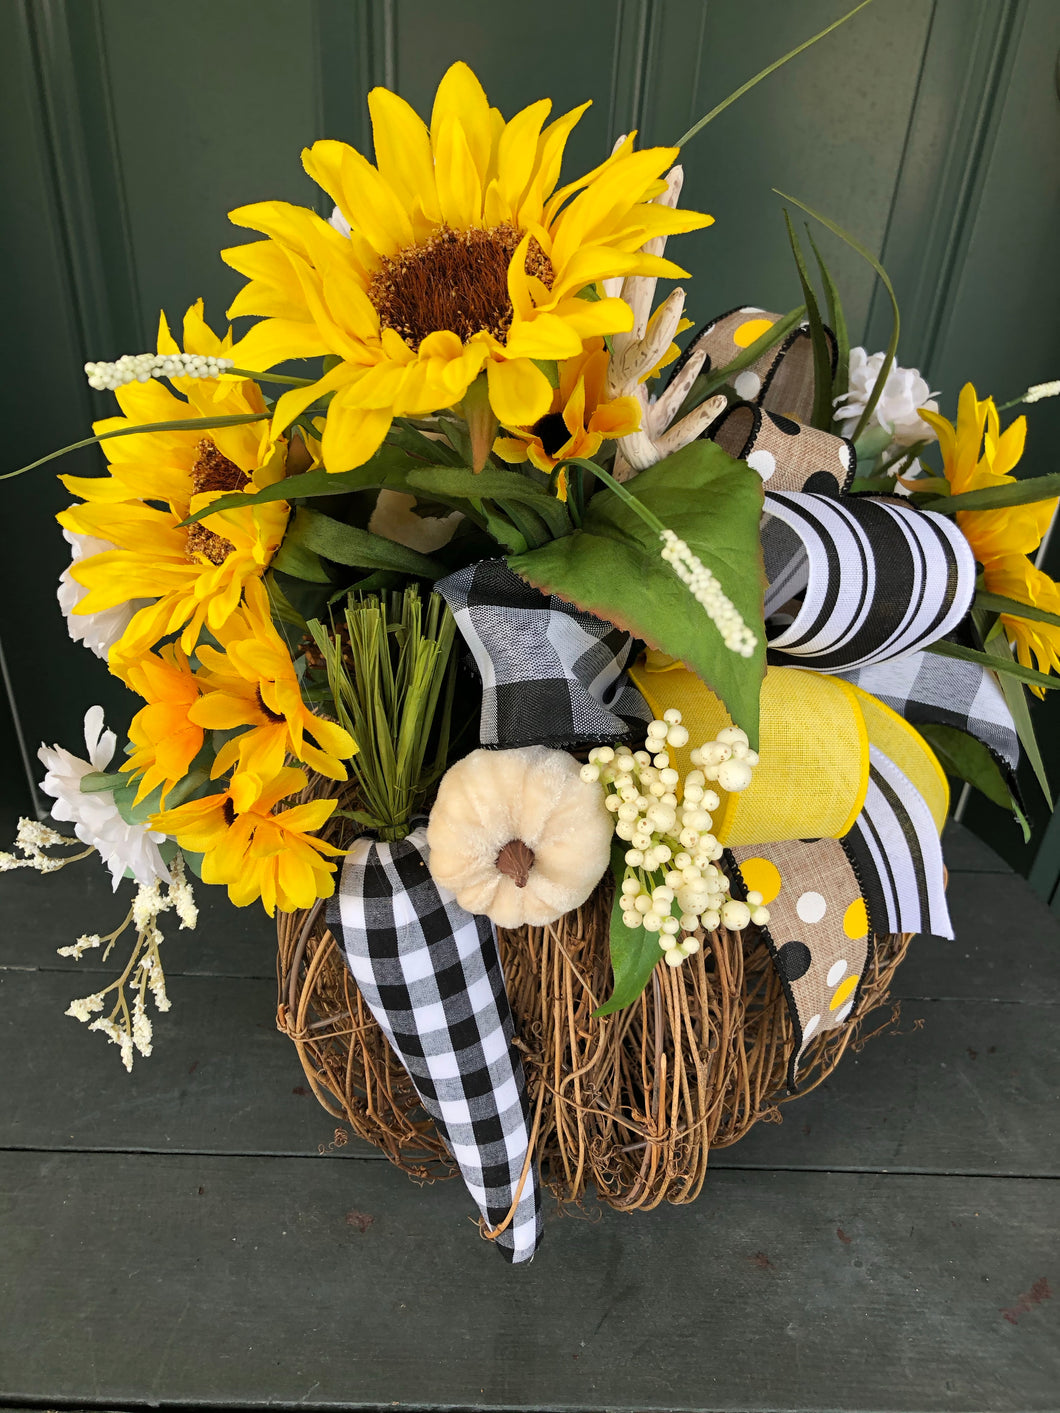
[193, 575]
[462, 256]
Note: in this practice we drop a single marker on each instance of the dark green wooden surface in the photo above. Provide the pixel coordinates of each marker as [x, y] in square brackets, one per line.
[176, 1237]
[928, 127]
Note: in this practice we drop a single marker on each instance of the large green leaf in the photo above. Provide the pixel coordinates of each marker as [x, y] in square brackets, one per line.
[350, 545]
[635, 953]
[613, 566]
[966, 758]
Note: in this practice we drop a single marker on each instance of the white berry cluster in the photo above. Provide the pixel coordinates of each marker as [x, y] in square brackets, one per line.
[672, 885]
[706, 590]
[142, 367]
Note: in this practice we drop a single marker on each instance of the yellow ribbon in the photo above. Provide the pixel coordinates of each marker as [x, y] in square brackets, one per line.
[813, 771]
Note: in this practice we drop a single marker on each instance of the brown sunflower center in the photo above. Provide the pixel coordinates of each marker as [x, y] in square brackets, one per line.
[457, 280]
[212, 471]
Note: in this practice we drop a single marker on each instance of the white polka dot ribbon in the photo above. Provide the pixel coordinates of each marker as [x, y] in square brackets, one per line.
[818, 932]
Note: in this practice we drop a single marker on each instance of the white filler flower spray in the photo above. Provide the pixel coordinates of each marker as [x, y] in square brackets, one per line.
[672, 884]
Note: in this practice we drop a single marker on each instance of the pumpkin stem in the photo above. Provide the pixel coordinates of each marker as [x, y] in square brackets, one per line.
[515, 861]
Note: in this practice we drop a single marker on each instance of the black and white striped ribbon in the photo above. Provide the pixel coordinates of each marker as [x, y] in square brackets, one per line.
[875, 577]
[895, 850]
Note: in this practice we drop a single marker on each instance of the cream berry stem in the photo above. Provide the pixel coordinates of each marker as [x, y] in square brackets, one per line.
[689, 568]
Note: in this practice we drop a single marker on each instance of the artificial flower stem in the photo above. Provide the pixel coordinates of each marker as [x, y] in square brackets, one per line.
[652, 521]
[271, 377]
[183, 424]
[764, 73]
[906, 454]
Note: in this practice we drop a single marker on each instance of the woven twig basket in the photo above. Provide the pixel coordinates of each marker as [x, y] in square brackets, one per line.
[630, 1104]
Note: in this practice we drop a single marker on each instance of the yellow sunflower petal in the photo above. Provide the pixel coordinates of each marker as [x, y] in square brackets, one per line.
[519, 393]
[461, 101]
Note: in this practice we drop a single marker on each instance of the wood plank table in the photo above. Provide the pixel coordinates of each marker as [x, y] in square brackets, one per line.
[191, 1237]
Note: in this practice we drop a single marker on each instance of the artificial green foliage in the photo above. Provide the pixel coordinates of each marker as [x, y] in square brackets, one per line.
[1005, 666]
[635, 952]
[389, 468]
[1025, 492]
[966, 758]
[612, 566]
[837, 322]
[352, 546]
[504, 488]
[998, 603]
[391, 674]
[822, 352]
[892, 345]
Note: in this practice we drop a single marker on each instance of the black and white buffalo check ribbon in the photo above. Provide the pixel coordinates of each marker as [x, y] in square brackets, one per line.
[552, 675]
[930, 690]
[873, 576]
[431, 975]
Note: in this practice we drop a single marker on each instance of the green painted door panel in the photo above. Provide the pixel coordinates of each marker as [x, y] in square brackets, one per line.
[131, 128]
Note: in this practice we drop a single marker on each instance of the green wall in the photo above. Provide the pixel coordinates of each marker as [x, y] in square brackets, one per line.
[130, 127]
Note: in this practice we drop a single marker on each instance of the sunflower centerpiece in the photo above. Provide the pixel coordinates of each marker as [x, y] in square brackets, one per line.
[495, 453]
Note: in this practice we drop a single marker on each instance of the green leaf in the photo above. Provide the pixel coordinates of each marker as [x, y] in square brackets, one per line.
[1007, 666]
[300, 563]
[613, 566]
[968, 759]
[764, 73]
[1024, 492]
[416, 443]
[96, 781]
[838, 323]
[997, 603]
[866, 255]
[821, 416]
[389, 467]
[503, 531]
[635, 952]
[1016, 698]
[350, 545]
[459, 483]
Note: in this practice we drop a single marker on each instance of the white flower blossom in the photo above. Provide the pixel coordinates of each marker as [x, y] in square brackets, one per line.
[705, 588]
[87, 942]
[98, 631]
[898, 410]
[1041, 390]
[142, 367]
[86, 1007]
[96, 818]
